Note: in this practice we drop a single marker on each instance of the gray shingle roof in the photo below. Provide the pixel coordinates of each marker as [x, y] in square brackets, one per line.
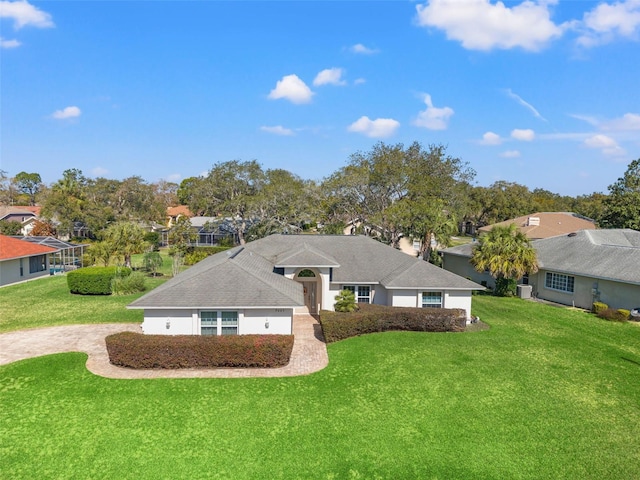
[605, 254]
[304, 256]
[243, 277]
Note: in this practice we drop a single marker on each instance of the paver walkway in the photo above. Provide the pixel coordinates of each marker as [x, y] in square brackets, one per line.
[309, 351]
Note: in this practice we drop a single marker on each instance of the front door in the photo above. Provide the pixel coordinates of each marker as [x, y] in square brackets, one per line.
[310, 296]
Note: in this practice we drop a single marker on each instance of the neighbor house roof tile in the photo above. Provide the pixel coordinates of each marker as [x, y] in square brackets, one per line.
[14, 248]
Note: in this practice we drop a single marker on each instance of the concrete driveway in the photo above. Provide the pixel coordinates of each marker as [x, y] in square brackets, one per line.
[309, 353]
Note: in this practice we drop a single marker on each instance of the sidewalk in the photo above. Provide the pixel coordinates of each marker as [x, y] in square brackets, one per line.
[309, 353]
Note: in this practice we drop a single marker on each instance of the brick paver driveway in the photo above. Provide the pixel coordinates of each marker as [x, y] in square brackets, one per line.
[309, 351]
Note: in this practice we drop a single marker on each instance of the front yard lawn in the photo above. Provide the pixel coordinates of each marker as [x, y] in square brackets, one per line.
[545, 393]
[47, 302]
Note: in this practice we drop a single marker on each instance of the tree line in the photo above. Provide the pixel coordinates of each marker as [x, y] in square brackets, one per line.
[390, 191]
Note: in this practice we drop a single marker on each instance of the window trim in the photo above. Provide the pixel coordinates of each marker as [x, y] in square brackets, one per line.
[357, 292]
[218, 322]
[559, 282]
[432, 304]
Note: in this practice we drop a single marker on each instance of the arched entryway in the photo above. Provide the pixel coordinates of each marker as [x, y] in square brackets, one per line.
[312, 284]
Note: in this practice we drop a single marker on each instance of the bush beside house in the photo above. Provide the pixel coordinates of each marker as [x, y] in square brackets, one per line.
[379, 318]
[94, 280]
[136, 350]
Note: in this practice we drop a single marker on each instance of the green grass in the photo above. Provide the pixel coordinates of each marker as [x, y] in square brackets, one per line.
[545, 393]
[47, 301]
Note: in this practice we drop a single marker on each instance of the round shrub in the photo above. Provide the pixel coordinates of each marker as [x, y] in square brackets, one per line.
[94, 280]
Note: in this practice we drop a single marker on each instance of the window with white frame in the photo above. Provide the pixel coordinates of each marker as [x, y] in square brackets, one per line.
[431, 299]
[559, 281]
[361, 292]
[229, 323]
[218, 323]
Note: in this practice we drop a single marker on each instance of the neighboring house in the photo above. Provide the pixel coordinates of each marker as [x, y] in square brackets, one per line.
[535, 226]
[458, 260]
[575, 269]
[25, 215]
[256, 289]
[20, 260]
[174, 213]
[546, 224]
[588, 266]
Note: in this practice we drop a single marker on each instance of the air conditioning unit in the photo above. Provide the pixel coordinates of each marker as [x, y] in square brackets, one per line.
[525, 291]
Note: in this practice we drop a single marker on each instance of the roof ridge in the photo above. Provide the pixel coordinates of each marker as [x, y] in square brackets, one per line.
[261, 278]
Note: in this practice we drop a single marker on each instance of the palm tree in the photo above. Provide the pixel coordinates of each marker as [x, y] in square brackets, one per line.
[507, 254]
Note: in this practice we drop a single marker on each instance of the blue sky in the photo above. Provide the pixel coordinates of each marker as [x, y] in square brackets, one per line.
[543, 93]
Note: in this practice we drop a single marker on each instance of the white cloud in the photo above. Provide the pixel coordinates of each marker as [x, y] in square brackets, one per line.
[510, 154]
[606, 144]
[23, 14]
[9, 43]
[278, 130]
[67, 112]
[330, 76]
[293, 89]
[359, 81]
[491, 138]
[629, 121]
[433, 118]
[482, 25]
[173, 177]
[530, 107]
[361, 49]
[524, 135]
[380, 127]
[606, 22]
[99, 172]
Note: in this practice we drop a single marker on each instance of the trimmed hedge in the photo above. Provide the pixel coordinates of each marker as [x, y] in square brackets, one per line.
[94, 280]
[136, 350]
[379, 318]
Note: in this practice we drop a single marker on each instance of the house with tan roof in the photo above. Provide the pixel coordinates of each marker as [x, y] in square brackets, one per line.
[174, 213]
[21, 260]
[257, 288]
[546, 224]
[25, 215]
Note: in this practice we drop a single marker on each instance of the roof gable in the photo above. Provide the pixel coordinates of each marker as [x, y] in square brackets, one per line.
[306, 256]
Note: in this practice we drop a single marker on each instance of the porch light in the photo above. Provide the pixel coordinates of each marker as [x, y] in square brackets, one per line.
[266, 324]
[168, 324]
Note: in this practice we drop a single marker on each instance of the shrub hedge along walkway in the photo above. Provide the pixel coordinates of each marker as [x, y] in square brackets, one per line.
[309, 352]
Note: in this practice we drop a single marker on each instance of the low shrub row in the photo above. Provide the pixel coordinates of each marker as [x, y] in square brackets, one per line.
[94, 280]
[378, 318]
[603, 310]
[136, 350]
[614, 315]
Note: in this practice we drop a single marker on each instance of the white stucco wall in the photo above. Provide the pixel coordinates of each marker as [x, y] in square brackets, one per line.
[450, 299]
[276, 321]
[458, 299]
[10, 271]
[404, 298]
[180, 322]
